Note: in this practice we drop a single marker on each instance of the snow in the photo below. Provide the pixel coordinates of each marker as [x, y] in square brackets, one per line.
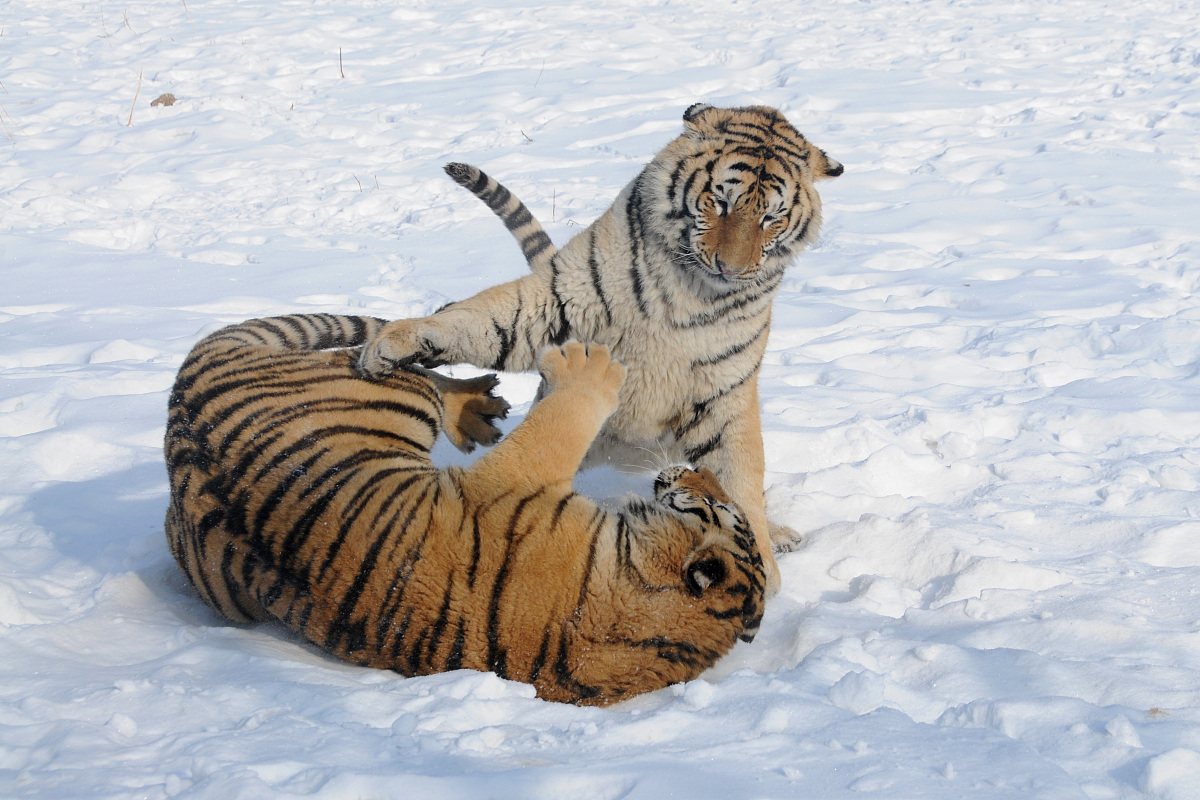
[981, 398]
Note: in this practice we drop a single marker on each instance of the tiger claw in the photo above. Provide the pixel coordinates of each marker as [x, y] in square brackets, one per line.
[398, 346]
[471, 408]
[783, 538]
[374, 365]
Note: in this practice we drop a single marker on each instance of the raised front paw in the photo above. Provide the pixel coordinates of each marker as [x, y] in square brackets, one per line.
[400, 343]
[588, 369]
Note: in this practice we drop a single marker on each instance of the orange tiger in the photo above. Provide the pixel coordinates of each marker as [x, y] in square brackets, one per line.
[304, 493]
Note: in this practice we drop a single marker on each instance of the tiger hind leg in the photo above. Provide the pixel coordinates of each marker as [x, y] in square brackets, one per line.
[210, 560]
[470, 408]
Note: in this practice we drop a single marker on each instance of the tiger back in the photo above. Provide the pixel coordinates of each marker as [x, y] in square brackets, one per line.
[304, 493]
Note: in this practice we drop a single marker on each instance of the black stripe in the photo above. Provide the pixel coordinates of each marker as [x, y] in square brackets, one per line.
[673, 181]
[439, 625]
[497, 199]
[698, 511]
[534, 245]
[729, 353]
[455, 658]
[414, 653]
[562, 331]
[636, 239]
[520, 217]
[341, 625]
[676, 652]
[594, 269]
[804, 228]
[495, 654]
[393, 599]
[540, 659]
[735, 301]
[559, 509]
[475, 552]
[596, 526]
[691, 179]
[698, 414]
[564, 675]
[477, 186]
[353, 507]
[505, 345]
[399, 632]
[702, 408]
[270, 503]
[698, 452]
[232, 586]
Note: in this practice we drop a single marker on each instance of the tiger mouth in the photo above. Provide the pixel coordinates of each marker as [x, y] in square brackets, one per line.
[689, 260]
[731, 272]
[716, 270]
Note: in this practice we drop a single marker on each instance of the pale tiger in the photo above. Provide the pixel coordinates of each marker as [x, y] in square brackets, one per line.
[677, 278]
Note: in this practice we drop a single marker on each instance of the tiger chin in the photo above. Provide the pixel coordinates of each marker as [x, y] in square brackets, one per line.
[304, 493]
[677, 277]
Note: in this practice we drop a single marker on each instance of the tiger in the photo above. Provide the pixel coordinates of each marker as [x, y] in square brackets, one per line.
[303, 493]
[677, 277]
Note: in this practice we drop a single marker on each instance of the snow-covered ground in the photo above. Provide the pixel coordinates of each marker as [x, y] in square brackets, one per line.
[981, 400]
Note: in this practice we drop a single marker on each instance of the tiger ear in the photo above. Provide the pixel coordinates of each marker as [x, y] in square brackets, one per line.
[694, 124]
[825, 167]
[703, 571]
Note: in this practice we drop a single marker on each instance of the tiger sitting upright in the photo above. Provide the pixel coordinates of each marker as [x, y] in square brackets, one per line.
[677, 278]
[304, 493]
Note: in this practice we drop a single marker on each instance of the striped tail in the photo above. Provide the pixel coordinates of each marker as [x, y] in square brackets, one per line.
[528, 232]
[300, 332]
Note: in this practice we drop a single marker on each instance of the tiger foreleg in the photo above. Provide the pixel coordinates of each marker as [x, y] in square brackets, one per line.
[503, 327]
[735, 453]
[583, 383]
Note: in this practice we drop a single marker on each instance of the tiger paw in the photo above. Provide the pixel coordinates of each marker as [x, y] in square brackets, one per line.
[783, 538]
[471, 410]
[400, 343]
[587, 369]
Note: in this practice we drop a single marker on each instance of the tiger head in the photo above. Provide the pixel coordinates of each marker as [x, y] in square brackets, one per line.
[734, 193]
[690, 556]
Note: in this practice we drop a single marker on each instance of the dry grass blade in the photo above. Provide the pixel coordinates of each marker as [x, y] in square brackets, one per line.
[135, 97]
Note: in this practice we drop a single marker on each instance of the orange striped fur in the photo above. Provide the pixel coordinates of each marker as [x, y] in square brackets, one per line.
[303, 492]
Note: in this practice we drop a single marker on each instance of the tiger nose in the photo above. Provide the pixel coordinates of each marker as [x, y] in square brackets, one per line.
[722, 267]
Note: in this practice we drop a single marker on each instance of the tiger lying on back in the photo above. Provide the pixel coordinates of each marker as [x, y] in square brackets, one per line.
[677, 278]
[304, 493]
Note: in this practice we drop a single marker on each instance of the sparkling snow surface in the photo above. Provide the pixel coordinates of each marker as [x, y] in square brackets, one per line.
[981, 400]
